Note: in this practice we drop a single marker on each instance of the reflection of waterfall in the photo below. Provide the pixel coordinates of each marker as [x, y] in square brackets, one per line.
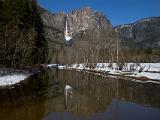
[117, 96]
[66, 34]
[67, 94]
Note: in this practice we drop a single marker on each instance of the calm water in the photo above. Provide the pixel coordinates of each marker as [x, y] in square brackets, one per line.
[93, 97]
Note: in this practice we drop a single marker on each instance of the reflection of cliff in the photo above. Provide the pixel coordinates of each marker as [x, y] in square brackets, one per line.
[95, 93]
[124, 90]
[90, 94]
[145, 94]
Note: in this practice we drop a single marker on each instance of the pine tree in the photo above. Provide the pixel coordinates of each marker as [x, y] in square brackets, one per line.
[22, 36]
[41, 47]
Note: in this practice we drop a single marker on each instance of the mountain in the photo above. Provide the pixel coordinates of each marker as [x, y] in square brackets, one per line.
[90, 31]
[78, 20]
[144, 33]
[32, 35]
[95, 40]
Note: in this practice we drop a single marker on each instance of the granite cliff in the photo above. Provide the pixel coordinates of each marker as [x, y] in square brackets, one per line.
[88, 28]
[94, 39]
[143, 33]
[78, 20]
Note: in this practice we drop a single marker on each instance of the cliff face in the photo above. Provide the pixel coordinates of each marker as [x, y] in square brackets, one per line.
[87, 18]
[87, 28]
[93, 37]
[78, 20]
[54, 20]
[144, 33]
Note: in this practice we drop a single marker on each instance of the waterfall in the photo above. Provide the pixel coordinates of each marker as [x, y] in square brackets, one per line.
[66, 29]
[66, 34]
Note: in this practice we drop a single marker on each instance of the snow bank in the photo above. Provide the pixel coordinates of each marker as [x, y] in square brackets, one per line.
[155, 76]
[11, 79]
[150, 70]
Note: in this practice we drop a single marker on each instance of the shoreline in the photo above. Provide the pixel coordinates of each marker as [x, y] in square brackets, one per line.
[10, 77]
[150, 73]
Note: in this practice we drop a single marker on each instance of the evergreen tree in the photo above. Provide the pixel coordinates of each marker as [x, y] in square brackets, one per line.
[41, 47]
[21, 34]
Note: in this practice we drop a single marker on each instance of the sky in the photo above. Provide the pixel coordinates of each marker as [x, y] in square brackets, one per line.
[117, 11]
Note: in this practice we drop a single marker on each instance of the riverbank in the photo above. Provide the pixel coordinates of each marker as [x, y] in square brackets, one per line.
[11, 76]
[142, 72]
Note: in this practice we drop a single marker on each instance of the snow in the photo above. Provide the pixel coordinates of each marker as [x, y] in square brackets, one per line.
[122, 26]
[147, 74]
[155, 67]
[52, 65]
[145, 20]
[11, 79]
[150, 70]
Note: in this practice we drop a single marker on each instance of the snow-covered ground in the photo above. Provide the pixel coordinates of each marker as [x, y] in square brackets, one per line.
[7, 80]
[150, 71]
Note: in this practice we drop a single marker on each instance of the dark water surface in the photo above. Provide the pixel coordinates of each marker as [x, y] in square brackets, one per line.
[92, 97]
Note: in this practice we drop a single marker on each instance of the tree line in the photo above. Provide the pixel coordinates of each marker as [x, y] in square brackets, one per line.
[22, 39]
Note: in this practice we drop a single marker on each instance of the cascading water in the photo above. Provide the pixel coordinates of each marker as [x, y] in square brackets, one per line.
[66, 34]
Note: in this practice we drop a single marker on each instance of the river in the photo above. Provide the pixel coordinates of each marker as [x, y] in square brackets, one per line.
[77, 95]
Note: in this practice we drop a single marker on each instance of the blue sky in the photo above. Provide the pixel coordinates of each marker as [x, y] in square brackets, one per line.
[117, 11]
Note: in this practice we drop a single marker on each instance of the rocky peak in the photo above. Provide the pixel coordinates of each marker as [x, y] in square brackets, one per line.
[87, 18]
[73, 33]
[78, 20]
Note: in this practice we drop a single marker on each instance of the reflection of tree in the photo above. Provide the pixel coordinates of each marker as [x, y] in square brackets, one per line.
[94, 93]
[25, 100]
[146, 94]
[91, 94]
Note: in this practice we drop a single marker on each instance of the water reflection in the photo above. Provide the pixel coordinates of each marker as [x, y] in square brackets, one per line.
[68, 95]
[65, 94]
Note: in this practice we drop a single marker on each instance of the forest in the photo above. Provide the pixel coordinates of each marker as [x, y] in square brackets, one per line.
[22, 39]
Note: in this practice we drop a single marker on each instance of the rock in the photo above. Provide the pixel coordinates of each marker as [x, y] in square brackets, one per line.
[78, 20]
[144, 33]
[87, 28]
